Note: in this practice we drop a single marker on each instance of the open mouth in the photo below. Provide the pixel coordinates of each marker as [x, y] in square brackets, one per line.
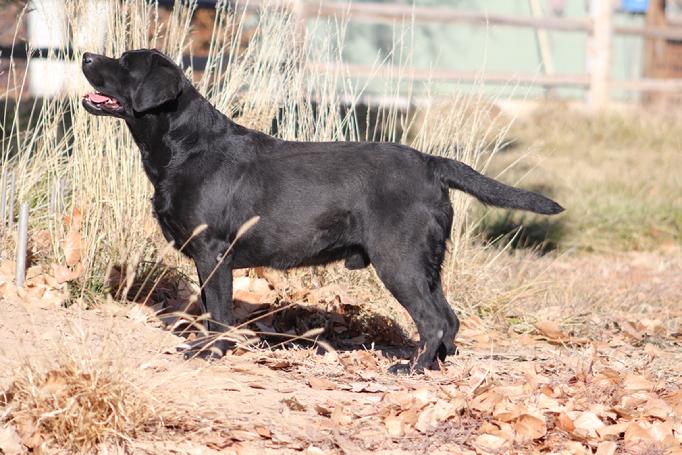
[101, 101]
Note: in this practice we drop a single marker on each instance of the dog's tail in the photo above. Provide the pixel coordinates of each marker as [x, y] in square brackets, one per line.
[462, 177]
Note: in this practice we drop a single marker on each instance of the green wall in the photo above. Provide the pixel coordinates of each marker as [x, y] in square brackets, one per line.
[493, 48]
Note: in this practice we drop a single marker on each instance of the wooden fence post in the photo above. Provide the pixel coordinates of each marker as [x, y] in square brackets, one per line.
[544, 43]
[299, 13]
[654, 50]
[599, 54]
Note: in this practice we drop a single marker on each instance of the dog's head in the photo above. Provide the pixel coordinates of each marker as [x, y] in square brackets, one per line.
[137, 82]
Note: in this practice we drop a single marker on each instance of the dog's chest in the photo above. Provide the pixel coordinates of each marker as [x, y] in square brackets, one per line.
[171, 224]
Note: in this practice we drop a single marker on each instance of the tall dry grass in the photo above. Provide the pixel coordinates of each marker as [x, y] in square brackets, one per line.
[616, 172]
[270, 79]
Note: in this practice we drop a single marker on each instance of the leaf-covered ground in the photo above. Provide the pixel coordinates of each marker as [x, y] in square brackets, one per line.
[601, 377]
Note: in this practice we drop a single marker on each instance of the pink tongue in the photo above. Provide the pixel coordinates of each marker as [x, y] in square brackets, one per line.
[97, 98]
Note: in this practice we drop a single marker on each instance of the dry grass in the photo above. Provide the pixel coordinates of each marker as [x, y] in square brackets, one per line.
[77, 405]
[617, 174]
[77, 393]
[269, 79]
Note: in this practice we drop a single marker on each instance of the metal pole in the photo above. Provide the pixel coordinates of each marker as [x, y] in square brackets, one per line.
[52, 207]
[22, 244]
[61, 203]
[3, 197]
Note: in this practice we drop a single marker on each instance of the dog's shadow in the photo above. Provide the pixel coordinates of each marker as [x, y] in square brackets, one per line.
[344, 327]
[284, 324]
[287, 325]
[521, 231]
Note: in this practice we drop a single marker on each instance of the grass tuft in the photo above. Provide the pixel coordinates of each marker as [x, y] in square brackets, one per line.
[77, 405]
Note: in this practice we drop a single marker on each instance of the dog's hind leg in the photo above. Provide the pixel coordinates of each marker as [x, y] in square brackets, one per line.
[406, 279]
[408, 262]
[447, 346]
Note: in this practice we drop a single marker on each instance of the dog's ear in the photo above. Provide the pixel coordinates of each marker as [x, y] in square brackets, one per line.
[161, 84]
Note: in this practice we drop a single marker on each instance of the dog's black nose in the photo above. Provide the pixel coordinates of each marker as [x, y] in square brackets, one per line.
[87, 58]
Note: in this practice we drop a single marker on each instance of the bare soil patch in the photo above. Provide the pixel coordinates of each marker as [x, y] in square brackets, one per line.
[590, 363]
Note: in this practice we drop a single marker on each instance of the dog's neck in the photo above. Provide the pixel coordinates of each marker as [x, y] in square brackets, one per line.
[163, 137]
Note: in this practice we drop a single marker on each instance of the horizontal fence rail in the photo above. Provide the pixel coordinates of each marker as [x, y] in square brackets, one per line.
[450, 75]
[380, 12]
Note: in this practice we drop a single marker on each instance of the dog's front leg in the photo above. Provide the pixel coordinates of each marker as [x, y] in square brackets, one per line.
[215, 277]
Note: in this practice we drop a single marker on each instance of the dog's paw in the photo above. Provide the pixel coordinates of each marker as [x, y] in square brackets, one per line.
[401, 369]
[207, 349]
[445, 350]
[211, 353]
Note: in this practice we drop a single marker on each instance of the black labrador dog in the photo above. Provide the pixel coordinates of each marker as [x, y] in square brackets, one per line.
[366, 203]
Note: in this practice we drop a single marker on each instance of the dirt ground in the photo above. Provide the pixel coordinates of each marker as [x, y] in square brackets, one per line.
[569, 374]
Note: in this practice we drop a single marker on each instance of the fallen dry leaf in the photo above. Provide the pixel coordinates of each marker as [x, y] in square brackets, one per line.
[293, 404]
[367, 387]
[606, 448]
[73, 247]
[490, 443]
[323, 411]
[575, 448]
[564, 423]
[657, 407]
[280, 365]
[28, 431]
[64, 274]
[529, 427]
[587, 424]
[430, 417]
[637, 432]
[506, 411]
[607, 377]
[612, 432]
[10, 443]
[321, 383]
[341, 415]
[260, 285]
[635, 382]
[312, 450]
[486, 401]
[674, 399]
[260, 299]
[263, 431]
[394, 425]
[140, 313]
[665, 433]
[75, 220]
[550, 329]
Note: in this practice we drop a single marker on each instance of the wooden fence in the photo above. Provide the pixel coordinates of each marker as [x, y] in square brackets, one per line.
[599, 28]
